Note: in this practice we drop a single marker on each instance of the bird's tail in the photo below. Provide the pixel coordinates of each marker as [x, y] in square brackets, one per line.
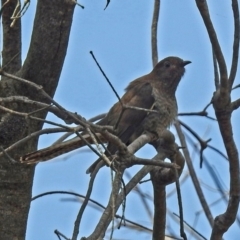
[51, 152]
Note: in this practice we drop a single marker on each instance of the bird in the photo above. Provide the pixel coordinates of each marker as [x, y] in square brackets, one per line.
[155, 91]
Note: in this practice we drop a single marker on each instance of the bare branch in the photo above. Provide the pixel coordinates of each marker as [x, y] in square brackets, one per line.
[76, 118]
[33, 135]
[110, 84]
[237, 86]
[141, 161]
[143, 197]
[139, 109]
[103, 155]
[83, 206]
[203, 113]
[160, 178]
[59, 234]
[223, 221]
[7, 155]
[59, 113]
[154, 29]
[26, 115]
[159, 220]
[43, 93]
[166, 175]
[193, 175]
[235, 105]
[182, 233]
[203, 144]
[108, 1]
[110, 209]
[167, 148]
[90, 200]
[235, 43]
[203, 9]
[198, 233]
[140, 142]
[18, 13]
[209, 146]
[78, 4]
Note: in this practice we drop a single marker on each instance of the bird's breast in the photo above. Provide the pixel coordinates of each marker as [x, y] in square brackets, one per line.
[166, 106]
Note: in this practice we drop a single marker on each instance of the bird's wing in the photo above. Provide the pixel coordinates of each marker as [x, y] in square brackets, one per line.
[139, 94]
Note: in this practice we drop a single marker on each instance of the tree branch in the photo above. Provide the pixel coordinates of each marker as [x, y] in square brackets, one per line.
[154, 29]
[193, 175]
[233, 70]
[203, 9]
[235, 105]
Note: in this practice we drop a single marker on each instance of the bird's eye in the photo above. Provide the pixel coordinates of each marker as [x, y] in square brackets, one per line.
[167, 64]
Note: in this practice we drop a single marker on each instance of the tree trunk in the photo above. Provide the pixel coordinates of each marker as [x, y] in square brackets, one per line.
[42, 66]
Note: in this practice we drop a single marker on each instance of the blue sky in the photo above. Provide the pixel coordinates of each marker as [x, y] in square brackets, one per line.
[120, 40]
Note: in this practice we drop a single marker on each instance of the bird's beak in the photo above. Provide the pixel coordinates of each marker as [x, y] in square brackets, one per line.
[186, 63]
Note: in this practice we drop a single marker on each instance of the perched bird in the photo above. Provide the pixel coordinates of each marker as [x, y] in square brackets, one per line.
[155, 90]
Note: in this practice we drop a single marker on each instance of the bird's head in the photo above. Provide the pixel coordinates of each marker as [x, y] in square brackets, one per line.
[168, 72]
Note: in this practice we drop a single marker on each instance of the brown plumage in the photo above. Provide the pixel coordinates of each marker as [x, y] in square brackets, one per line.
[155, 90]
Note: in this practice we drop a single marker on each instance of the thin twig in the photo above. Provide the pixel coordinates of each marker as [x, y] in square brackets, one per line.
[7, 155]
[111, 208]
[140, 109]
[182, 233]
[83, 206]
[198, 233]
[56, 111]
[237, 86]
[90, 200]
[203, 144]
[3, 6]
[154, 29]
[10, 61]
[102, 154]
[33, 135]
[88, 144]
[78, 4]
[60, 234]
[142, 197]
[110, 84]
[201, 113]
[43, 93]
